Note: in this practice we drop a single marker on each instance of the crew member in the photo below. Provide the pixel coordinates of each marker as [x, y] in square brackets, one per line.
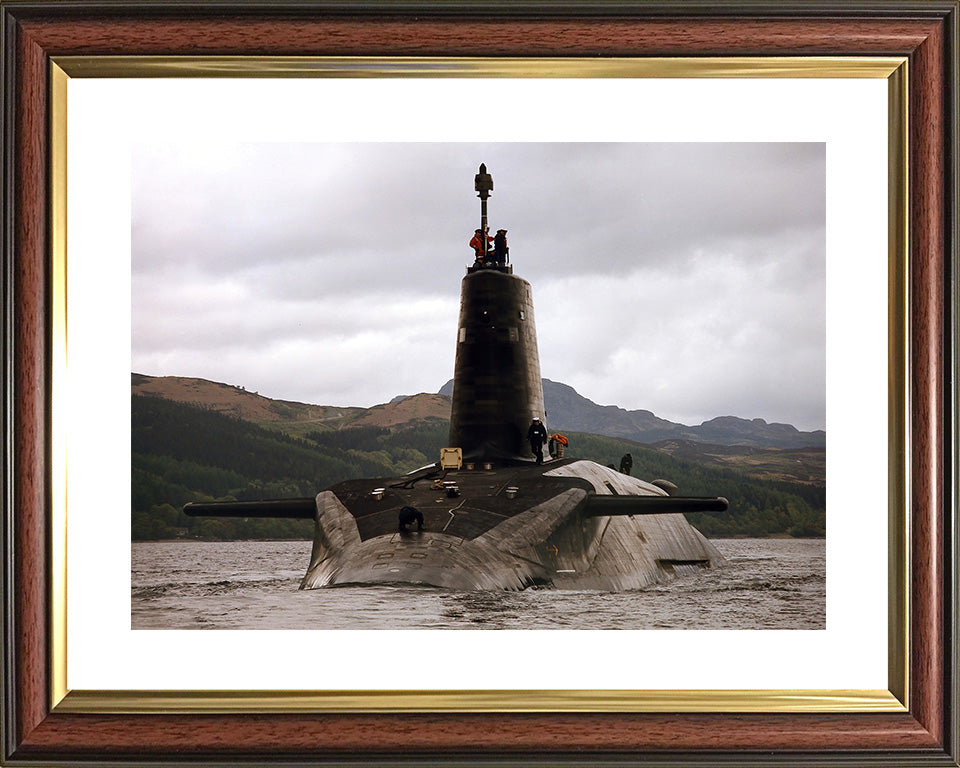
[500, 249]
[480, 244]
[537, 435]
[626, 463]
[407, 516]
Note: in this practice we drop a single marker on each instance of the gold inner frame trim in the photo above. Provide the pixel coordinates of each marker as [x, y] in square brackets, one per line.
[898, 384]
[58, 372]
[724, 701]
[893, 69]
[426, 66]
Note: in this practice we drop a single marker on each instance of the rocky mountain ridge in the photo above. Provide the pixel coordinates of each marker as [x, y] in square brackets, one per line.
[566, 409]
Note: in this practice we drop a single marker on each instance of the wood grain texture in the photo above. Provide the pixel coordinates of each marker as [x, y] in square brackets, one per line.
[30, 391]
[528, 734]
[595, 738]
[332, 36]
[928, 407]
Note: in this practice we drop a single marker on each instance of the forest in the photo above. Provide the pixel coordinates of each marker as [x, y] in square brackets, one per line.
[182, 453]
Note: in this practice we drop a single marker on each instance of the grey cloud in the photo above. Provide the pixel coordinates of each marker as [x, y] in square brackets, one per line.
[240, 247]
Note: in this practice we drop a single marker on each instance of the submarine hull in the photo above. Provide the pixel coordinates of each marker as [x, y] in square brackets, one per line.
[543, 534]
[498, 521]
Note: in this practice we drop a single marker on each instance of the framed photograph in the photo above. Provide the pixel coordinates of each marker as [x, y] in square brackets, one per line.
[87, 86]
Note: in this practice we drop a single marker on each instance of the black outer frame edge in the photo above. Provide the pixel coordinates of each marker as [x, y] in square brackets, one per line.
[520, 759]
[951, 384]
[8, 33]
[12, 10]
[950, 347]
[492, 8]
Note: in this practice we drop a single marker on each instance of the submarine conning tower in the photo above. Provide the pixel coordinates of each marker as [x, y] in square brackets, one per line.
[496, 380]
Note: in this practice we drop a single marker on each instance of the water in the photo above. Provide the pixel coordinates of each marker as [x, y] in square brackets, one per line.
[767, 584]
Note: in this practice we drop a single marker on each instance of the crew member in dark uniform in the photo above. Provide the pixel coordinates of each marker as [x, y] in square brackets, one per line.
[537, 435]
[407, 517]
[500, 249]
[626, 463]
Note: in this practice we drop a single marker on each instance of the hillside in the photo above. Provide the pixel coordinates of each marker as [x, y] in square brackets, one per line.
[758, 506]
[182, 452]
[286, 415]
[236, 401]
[185, 453]
[796, 465]
[404, 410]
[791, 464]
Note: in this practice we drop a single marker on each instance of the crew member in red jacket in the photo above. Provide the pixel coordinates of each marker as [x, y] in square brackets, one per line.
[480, 244]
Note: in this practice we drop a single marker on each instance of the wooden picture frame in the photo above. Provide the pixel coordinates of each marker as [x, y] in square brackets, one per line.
[38, 731]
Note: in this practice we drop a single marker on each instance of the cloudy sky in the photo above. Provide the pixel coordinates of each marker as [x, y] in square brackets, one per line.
[687, 279]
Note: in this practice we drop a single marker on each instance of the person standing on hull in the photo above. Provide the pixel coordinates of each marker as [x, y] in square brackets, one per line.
[537, 435]
[626, 463]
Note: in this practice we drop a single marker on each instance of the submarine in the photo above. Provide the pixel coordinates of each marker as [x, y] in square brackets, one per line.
[492, 514]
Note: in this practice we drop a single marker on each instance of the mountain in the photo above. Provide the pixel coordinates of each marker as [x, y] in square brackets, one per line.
[567, 410]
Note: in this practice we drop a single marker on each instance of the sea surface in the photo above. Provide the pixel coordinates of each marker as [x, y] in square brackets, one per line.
[766, 584]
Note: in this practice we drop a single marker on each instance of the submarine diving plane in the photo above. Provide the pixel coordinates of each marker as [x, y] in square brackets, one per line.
[487, 515]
